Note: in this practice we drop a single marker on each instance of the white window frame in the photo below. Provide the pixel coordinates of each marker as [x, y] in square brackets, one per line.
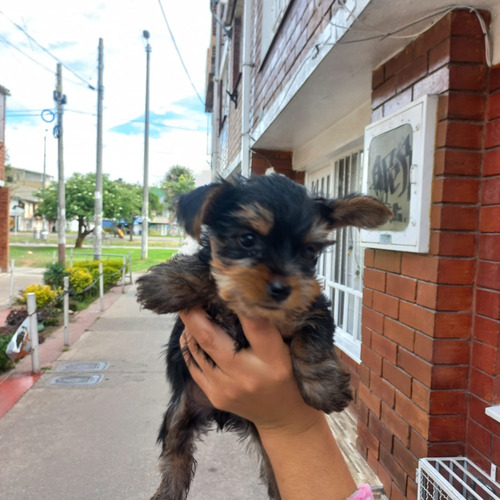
[273, 12]
[346, 299]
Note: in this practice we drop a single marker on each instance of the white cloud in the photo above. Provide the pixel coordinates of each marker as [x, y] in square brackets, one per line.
[71, 31]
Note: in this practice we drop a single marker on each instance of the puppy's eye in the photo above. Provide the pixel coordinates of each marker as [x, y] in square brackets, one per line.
[248, 240]
[310, 253]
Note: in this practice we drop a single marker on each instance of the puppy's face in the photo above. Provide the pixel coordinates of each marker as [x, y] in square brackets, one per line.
[265, 236]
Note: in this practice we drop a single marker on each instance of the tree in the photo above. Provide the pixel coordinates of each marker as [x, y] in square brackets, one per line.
[120, 200]
[178, 180]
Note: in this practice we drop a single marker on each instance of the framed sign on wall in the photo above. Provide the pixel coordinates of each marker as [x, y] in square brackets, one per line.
[398, 169]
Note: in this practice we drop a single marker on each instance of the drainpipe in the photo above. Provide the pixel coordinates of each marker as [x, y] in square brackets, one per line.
[215, 109]
[245, 88]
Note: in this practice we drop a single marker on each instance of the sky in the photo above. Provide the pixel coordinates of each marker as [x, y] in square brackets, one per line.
[35, 36]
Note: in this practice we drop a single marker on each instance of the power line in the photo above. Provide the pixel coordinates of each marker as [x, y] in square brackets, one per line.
[47, 51]
[179, 54]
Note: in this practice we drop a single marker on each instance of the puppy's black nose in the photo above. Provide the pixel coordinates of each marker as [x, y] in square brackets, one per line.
[278, 290]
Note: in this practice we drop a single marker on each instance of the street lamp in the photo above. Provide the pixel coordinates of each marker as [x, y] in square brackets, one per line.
[145, 194]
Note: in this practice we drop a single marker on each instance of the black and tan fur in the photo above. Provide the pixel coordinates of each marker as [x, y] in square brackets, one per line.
[260, 240]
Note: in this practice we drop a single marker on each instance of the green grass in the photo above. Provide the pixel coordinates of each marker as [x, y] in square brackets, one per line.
[41, 256]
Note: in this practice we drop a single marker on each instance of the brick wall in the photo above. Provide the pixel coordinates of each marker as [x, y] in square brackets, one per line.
[280, 161]
[423, 382]
[298, 32]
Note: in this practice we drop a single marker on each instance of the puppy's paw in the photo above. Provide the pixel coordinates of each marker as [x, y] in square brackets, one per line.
[323, 385]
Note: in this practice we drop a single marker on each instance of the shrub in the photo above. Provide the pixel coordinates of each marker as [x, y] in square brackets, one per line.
[5, 362]
[79, 278]
[43, 293]
[54, 275]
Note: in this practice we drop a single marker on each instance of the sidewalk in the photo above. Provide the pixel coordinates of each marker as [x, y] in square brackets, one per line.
[74, 442]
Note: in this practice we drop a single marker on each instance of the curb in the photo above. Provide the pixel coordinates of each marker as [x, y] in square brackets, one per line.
[15, 383]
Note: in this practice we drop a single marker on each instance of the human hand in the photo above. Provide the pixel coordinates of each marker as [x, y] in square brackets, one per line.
[256, 383]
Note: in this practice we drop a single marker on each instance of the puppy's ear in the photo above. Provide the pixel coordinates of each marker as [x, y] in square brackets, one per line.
[193, 208]
[354, 210]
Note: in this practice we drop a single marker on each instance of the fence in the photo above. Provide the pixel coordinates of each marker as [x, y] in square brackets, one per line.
[33, 312]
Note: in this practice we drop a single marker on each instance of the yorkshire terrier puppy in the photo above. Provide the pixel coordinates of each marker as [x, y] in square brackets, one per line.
[260, 240]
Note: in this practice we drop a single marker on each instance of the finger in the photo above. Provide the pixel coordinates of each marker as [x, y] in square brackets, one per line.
[210, 338]
[262, 335]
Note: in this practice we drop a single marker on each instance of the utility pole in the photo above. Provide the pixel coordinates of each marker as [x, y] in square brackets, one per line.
[145, 188]
[61, 192]
[98, 175]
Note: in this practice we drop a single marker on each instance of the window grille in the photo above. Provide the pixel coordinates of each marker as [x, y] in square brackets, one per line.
[340, 268]
[454, 479]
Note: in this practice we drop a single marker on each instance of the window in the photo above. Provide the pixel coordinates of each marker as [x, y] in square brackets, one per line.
[340, 268]
[273, 12]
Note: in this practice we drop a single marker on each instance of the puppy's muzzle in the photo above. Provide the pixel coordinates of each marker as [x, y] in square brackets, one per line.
[279, 290]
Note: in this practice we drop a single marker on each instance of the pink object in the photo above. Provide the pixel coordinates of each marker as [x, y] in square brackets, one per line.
[364, 492]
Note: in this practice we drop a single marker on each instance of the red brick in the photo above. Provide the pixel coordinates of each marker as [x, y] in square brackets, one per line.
[427, 294]
[371, 400]
[385, 347]
[401, 286]
[481, 384]
[423, 267]
[399, 62]
[387, 261]
[446, 449]
[494, 79]
[447, 428]
[396, 424]
[452, 325]
[418, 445]
[453, 352]
[378, 76]
[424, 346]
[456, 271]
[435, 83]
[457, 162]
[494, 106]
[492, 162]
[488, 275]
[373, 320]
[369, 440]
[417, 317]
[466, 23]
[490, 219]
[369, 257]
[456, 244]
[420, 395]
[492, 134]
[374, 279]
[405, 457]
[450, 377]
[487, 330]
[477, 409]
[460, 106]
[383, 390]
[479, 437]
[412, 414]
[371, 359]
[491, 190]
[397, 377]
[456, 190]
[415, 366]
[384, 92]
[411, 74]
[467, 77]
[433, 36]
[386, 304]
[380, 431]
[399, 333]
[489, 246]
[447, 402]
[459, 134]
[454, 298]
[454, 217]
[398, 474]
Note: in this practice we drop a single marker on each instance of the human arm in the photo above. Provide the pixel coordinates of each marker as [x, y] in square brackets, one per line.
[258, 384]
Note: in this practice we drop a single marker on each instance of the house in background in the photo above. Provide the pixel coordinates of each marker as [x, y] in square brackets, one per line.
[4, 190]
[402, 100]
[23, 185]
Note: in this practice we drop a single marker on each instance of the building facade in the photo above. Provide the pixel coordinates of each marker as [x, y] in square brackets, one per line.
[399, 99]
